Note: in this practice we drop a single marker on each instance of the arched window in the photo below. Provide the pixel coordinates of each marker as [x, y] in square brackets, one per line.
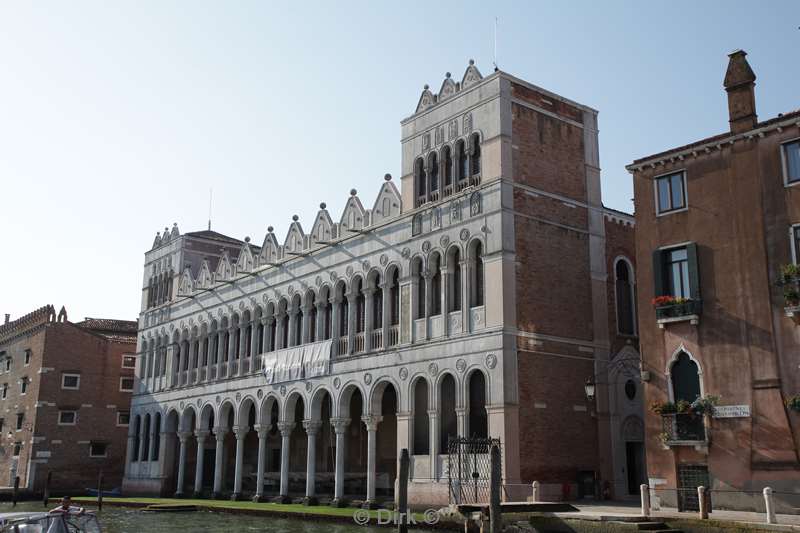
[285, 327]
[328, 318]
[156, 436]
[447, 160]
[297, 333]
[476, 271]
[478, 426]
[421, 424]
[436, 284]
[475, 154]
[447, 405]
[461, 154]
[358, 288]
[260, 337]
[344, 313]
[377, 304]
[419, 280]
[626, 324]
[685, 379]
[273, 329]
[137, 433]
[312, 317]
[433, 170]
[395, 297]
[146, 435]
[226, 346]
[454, 279]
[421, 180]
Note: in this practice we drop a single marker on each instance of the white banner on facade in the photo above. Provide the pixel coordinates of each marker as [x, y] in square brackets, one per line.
[298, 362]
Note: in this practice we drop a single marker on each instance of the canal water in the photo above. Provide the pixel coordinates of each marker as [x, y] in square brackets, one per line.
[128, 520]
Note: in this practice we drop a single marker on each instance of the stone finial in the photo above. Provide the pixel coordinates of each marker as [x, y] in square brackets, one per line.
[247, 239]
[295, 218]
[447, 75]
[471, 62]
[353, 192]
[270, 229]
[426, 87]
[387, 177]
[323, 205]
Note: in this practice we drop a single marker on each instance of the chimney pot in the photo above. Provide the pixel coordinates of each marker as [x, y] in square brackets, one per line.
[740, 83]
[8, 318]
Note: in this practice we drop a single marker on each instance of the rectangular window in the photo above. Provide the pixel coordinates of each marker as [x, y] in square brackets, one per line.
[20, 420]
[5, 390]
[671, 192]
[2, 423]
[126, 384]
[8, 364]
[71, 381]
[128, 361]
[17, 449]
[27, 357]
[67, 418]
[98, 449]
[23, 385]
[791, 161]
[676, 268]
[123, 418]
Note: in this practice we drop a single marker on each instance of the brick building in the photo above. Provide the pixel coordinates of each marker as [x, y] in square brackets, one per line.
[65, 391]
[716, 221]
[475, 300]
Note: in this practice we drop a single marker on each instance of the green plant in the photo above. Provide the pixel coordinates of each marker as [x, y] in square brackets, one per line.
[663, 408]
[793, 403]
[791, 296]
[790, 273]
[664, 437]
[683, 407]
[704, 405]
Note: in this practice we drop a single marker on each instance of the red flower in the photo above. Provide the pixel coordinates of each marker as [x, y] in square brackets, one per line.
[660, 301]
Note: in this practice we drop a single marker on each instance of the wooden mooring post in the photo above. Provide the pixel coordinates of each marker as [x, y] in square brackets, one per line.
[495, 481]
[46, 493]
[100, 491]
[402, 493]
[15, 491]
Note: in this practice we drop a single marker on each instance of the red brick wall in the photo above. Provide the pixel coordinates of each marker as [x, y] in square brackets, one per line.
[619, 243]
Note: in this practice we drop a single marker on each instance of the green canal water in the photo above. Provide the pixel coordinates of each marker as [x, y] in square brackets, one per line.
[128, 520]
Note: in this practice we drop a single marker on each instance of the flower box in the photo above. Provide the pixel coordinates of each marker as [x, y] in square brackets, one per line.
[671, 309]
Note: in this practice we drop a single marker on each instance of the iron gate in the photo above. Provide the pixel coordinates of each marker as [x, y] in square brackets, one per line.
[468, 469]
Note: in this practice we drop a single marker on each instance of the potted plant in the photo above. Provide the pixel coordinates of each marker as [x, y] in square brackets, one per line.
[704, 405]
[663, 408]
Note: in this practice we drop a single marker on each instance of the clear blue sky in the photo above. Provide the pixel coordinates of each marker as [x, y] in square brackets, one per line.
[117, 117]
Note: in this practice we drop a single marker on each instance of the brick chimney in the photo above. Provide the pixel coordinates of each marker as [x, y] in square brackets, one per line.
[740, 83]
[8, 317]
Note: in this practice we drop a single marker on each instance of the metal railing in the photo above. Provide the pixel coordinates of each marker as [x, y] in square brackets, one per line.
[342, 346]
[685, 309]
[394, 335]
[682, 427]
[358, 342]
[376, 339]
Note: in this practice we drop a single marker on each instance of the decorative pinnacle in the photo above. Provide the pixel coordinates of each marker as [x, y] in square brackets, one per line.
[471, 62]
[295, 218]
[426, 87]
[353, 192]
[387, 177]
[446, 74]
[247, 239]
[323, 205]
[269, 229]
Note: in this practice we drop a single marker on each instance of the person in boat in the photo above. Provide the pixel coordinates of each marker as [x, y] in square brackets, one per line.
[66, 507]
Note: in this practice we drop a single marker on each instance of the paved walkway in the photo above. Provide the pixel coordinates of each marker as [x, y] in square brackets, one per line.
[632, 510]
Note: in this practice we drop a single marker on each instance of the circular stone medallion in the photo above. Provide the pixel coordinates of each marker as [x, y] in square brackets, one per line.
[403, 373]
[433, 369]
[491, 361]
[461, 366]
[368, 378]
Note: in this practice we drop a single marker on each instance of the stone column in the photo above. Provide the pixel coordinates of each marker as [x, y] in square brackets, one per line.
[231, 350]
[220, 352]
[286, 430]
[183, 436]
[200, 435]
[445, 299]
[305, 334]
[369, 318]
[219, 435]
[129, 458]
[171, 365]
[319, 334]
[372, 429]
[336, 318]
[290, 339]
[279, 332]
[340, 426]
[461, 421]
[311, 427]
[262, 454]
[151, 452]
[433, 443]
[404, 434]
[241, 434]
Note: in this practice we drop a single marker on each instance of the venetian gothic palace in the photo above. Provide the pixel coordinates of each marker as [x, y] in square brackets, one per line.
[474, 298]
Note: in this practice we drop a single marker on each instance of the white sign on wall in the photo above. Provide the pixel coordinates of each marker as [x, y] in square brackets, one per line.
[732, 411]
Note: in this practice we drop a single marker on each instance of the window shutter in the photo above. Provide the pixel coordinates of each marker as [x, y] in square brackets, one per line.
[694, 271]
[658, 273]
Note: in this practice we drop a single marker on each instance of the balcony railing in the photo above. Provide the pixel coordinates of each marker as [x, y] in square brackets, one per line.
[376, 339]
[359, 342]
[683, 428]
[447, 190]
[342, 346]
[677, 312]
[394, 335]
[421, 200]
[474, 180]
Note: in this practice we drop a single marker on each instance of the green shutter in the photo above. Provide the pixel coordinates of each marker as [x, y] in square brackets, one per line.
[694, 271]
[658, 273]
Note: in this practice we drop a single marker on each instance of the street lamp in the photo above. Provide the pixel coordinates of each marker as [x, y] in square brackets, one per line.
[590, 389]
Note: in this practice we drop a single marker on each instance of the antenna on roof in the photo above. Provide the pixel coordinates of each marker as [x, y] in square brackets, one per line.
[210, 193]
[495, 45]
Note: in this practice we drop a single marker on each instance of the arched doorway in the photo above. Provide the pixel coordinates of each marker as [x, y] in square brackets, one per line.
[384, 405]
[477, 422]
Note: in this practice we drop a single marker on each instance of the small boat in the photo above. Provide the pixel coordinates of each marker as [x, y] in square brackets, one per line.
[170, 508]
[28, 522]
[112, 492]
